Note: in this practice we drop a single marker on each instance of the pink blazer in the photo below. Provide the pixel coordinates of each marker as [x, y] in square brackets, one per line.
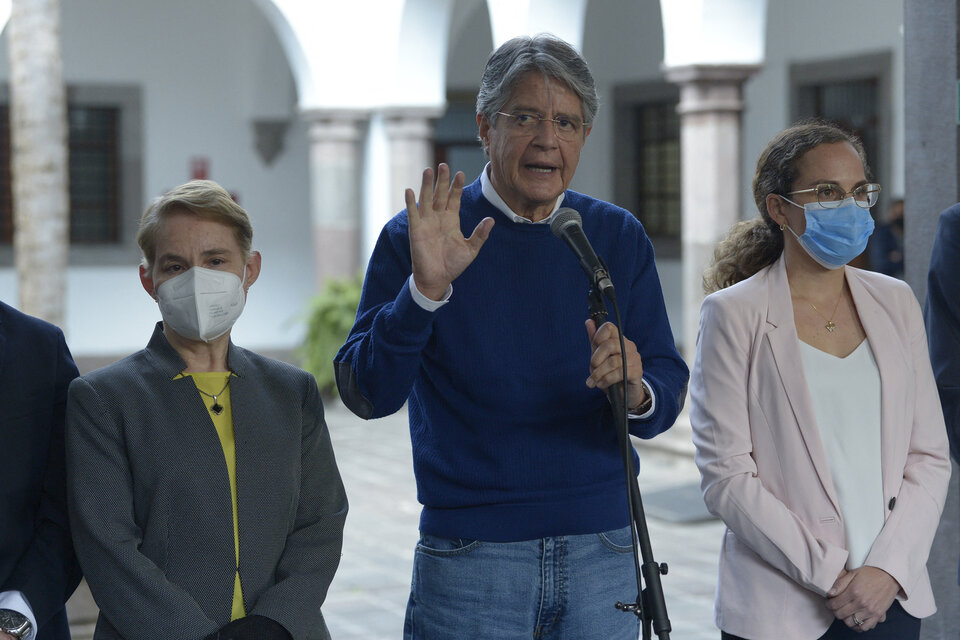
[764, 469]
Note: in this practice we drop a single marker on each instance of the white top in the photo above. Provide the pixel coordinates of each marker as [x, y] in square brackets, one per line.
[846, 404]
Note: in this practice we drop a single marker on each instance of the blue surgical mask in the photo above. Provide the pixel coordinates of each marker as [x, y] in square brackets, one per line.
[834, 237]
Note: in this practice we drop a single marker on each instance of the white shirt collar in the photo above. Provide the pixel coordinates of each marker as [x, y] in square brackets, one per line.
[494, 198]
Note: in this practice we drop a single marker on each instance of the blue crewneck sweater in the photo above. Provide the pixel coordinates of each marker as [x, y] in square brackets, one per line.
[508, 442]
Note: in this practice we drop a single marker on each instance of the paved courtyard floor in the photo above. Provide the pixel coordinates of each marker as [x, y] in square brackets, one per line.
[369, 594]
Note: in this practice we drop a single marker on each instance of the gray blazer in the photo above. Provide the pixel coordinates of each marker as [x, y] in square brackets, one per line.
[150, 501]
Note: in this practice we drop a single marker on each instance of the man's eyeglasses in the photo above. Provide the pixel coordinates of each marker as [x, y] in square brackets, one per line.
[524, 123]
[830, 195]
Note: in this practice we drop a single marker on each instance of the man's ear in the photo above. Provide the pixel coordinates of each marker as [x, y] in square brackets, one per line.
[483, 129]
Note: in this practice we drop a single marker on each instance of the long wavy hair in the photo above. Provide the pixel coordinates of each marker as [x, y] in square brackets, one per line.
[751, 245]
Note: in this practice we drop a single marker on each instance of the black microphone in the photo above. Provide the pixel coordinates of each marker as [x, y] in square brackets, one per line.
[567, 226]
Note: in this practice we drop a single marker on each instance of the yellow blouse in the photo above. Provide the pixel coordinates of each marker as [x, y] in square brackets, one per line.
[212, 383]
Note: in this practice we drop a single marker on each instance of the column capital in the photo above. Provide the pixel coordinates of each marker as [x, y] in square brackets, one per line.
[410, 123]
[711, 73]
[710, 88]
[328, 125]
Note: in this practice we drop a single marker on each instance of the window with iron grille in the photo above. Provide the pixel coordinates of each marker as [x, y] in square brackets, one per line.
[647, 160]
[852, 104]
[657, 168]
[94, 175]
[854, 94]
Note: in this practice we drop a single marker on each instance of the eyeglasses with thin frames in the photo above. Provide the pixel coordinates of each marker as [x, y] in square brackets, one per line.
[830, 195]
[525, 123]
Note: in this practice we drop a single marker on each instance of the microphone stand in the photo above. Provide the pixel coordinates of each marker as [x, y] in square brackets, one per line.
[650, 606]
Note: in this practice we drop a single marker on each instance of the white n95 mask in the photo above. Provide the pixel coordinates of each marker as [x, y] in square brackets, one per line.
[201, 304]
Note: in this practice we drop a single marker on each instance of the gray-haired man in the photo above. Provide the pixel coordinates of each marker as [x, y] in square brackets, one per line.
[524, 529]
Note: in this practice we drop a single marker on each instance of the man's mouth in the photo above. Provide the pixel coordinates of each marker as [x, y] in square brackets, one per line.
[539, 168]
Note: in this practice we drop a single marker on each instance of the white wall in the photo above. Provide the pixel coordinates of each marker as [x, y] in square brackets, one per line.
[205, 70]
[623, 43]
[814, 31]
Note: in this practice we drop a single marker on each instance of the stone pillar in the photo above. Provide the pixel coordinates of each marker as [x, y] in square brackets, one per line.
[336, 199]
[931, 165]
[410, 135]
[711, 102]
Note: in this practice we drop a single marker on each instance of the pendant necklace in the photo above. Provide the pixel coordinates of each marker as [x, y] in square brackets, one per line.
[830, 326]
[216, 407]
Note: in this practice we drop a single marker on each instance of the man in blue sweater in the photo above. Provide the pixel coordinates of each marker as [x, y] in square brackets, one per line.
[525, 528]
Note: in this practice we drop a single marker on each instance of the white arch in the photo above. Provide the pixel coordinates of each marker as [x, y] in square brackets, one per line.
[418, 76]
[563, 18]
[713, 32]
[341, 49]
[296, 57]
[361, 56]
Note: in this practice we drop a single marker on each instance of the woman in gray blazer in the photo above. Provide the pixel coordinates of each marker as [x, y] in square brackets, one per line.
[204, 495]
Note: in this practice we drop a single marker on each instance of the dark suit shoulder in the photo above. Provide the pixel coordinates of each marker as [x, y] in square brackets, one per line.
[124, 371]
[951, 215]
[14, 321]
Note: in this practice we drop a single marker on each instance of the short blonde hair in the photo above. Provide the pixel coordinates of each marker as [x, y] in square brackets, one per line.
[204, 198]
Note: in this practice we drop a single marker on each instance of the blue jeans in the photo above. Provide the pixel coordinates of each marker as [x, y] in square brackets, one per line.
[560, 588]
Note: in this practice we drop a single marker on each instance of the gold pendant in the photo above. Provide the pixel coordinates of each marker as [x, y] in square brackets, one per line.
[830, 326]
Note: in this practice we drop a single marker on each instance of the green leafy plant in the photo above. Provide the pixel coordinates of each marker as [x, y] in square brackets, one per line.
[329, 319]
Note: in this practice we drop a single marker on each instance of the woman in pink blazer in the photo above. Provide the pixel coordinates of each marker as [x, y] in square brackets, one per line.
[818, 429]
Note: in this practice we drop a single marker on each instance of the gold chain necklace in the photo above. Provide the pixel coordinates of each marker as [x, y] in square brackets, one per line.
[831, 325]
[216, 407]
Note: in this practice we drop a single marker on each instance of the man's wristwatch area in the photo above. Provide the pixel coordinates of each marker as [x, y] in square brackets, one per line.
[647, 402]
[15, 623]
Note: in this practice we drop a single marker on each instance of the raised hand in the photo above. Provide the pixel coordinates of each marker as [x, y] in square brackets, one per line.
[606, 367]
[438, 250]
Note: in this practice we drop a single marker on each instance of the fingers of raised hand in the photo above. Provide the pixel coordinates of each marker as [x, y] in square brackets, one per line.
[453, 192]
[416, 211]
[413, 212]
[480, 234]
[439, 191]
[426, 190]
[444, 195]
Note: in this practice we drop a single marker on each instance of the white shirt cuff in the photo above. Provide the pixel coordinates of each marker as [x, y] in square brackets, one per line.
[426, 303]
[18, 602]
[653, 405]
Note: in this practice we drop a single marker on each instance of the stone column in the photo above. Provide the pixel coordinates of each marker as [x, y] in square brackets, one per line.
[410, 135]
[336, 199]
[931, 166]
[711, 102]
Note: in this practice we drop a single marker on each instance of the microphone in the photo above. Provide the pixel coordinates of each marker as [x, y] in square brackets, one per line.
[567, 226]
